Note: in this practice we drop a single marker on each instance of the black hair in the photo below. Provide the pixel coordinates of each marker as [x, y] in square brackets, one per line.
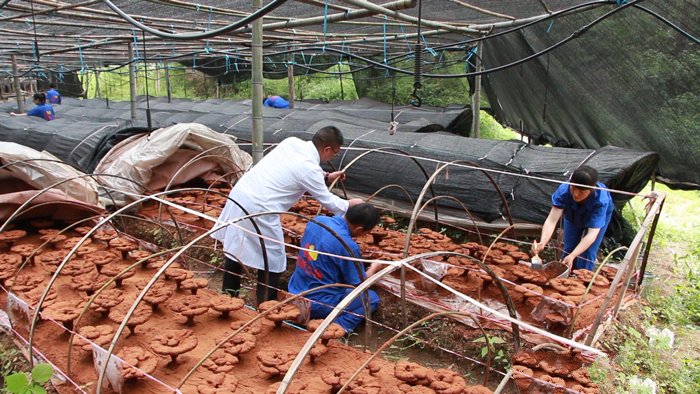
[327, 136]
[585, 175]
[52, 85]
[41, 97]
[365, 215]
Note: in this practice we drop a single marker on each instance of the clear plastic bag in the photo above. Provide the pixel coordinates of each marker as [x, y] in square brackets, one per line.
[435, 270]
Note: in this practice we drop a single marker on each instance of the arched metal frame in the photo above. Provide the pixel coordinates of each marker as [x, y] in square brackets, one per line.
[414, 218]
[388, 186]
[128, 314]
[355, 293]
[363, 154]
[478, 233]
[31, 256]
[410, 327]
[252, 321]
[570, 331]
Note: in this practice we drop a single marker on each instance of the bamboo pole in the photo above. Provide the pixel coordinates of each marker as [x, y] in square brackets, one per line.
[97, 84]
[476, 98]
[257, 85]
[290, 78]
[168, 86]
[132, 81]
[18, 86]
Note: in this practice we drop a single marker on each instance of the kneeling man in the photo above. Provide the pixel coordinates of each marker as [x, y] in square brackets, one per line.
[314, 270]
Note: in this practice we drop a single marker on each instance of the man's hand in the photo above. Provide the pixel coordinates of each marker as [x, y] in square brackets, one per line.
[569, 261]
[339, 175]
[537, 247]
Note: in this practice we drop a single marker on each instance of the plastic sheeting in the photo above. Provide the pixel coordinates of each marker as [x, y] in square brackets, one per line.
[41, 170]
[137, 161]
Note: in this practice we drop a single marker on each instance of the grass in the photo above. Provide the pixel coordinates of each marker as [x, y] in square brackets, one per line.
[672, 301]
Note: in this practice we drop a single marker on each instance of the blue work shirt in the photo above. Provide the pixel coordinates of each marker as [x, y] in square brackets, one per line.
[53, 97]
[276, 102]
[595, 212]
[43, 111]
[313, 269]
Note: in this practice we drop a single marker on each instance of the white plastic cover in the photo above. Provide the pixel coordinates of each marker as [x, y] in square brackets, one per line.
[41, 170]
[156, 160]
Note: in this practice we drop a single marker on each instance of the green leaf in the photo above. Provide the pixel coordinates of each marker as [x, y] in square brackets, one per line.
[36, 389]
[480, 339]
[16, 382]
[484, 351]
[42, 373]
[634, 332]
[495, 340]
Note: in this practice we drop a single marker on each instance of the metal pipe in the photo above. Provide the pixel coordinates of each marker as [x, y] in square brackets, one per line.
[382, 10]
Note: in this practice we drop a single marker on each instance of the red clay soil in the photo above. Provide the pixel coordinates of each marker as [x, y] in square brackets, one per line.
[553, 372]
[555, 314]
[164, 329]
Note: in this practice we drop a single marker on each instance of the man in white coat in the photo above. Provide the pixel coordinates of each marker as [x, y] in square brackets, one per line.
[276, 183]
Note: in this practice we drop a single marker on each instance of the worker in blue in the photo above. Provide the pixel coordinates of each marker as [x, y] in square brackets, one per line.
[52, 96]
[587, 213]
[42, 110]
[276, 102]
[314, 269]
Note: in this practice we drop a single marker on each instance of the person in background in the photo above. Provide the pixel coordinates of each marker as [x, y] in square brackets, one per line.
[587, 213]
[276, 102]
[314, 269]
[273, 185]
[42, 110]
[52, 96]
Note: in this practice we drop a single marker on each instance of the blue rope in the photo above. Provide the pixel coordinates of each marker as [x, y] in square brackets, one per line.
[325, 23]
[80, 52]
[228, 64]
[136, 45]
[406, 39]
[621, 2]
[550, 26]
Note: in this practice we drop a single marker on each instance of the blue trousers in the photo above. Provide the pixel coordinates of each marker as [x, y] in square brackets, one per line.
[572, 237]
[346, 320]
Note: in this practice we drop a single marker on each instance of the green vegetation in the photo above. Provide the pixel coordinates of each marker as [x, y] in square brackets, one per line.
[673, 302]
[22, 383]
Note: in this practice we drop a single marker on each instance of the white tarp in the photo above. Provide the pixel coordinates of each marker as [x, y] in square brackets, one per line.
[41, 170]
[156, 160]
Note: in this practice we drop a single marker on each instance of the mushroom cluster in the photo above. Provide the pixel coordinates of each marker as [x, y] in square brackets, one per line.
[174, 343]
[280, 312]
[141, 315]
[138, 362]
[189, 307]
[99, 335]
[275, 361]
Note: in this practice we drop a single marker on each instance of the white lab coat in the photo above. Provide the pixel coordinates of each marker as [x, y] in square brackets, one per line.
[276, 183]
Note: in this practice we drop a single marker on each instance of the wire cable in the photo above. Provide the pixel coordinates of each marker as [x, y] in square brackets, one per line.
[198, 36]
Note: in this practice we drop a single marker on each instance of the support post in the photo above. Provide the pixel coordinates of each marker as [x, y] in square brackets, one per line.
[476, 98]
[168, 87]
[98, 91]
[132, 80]
[18, 87]
[290, 78]
[157, 80]
[257, 85]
